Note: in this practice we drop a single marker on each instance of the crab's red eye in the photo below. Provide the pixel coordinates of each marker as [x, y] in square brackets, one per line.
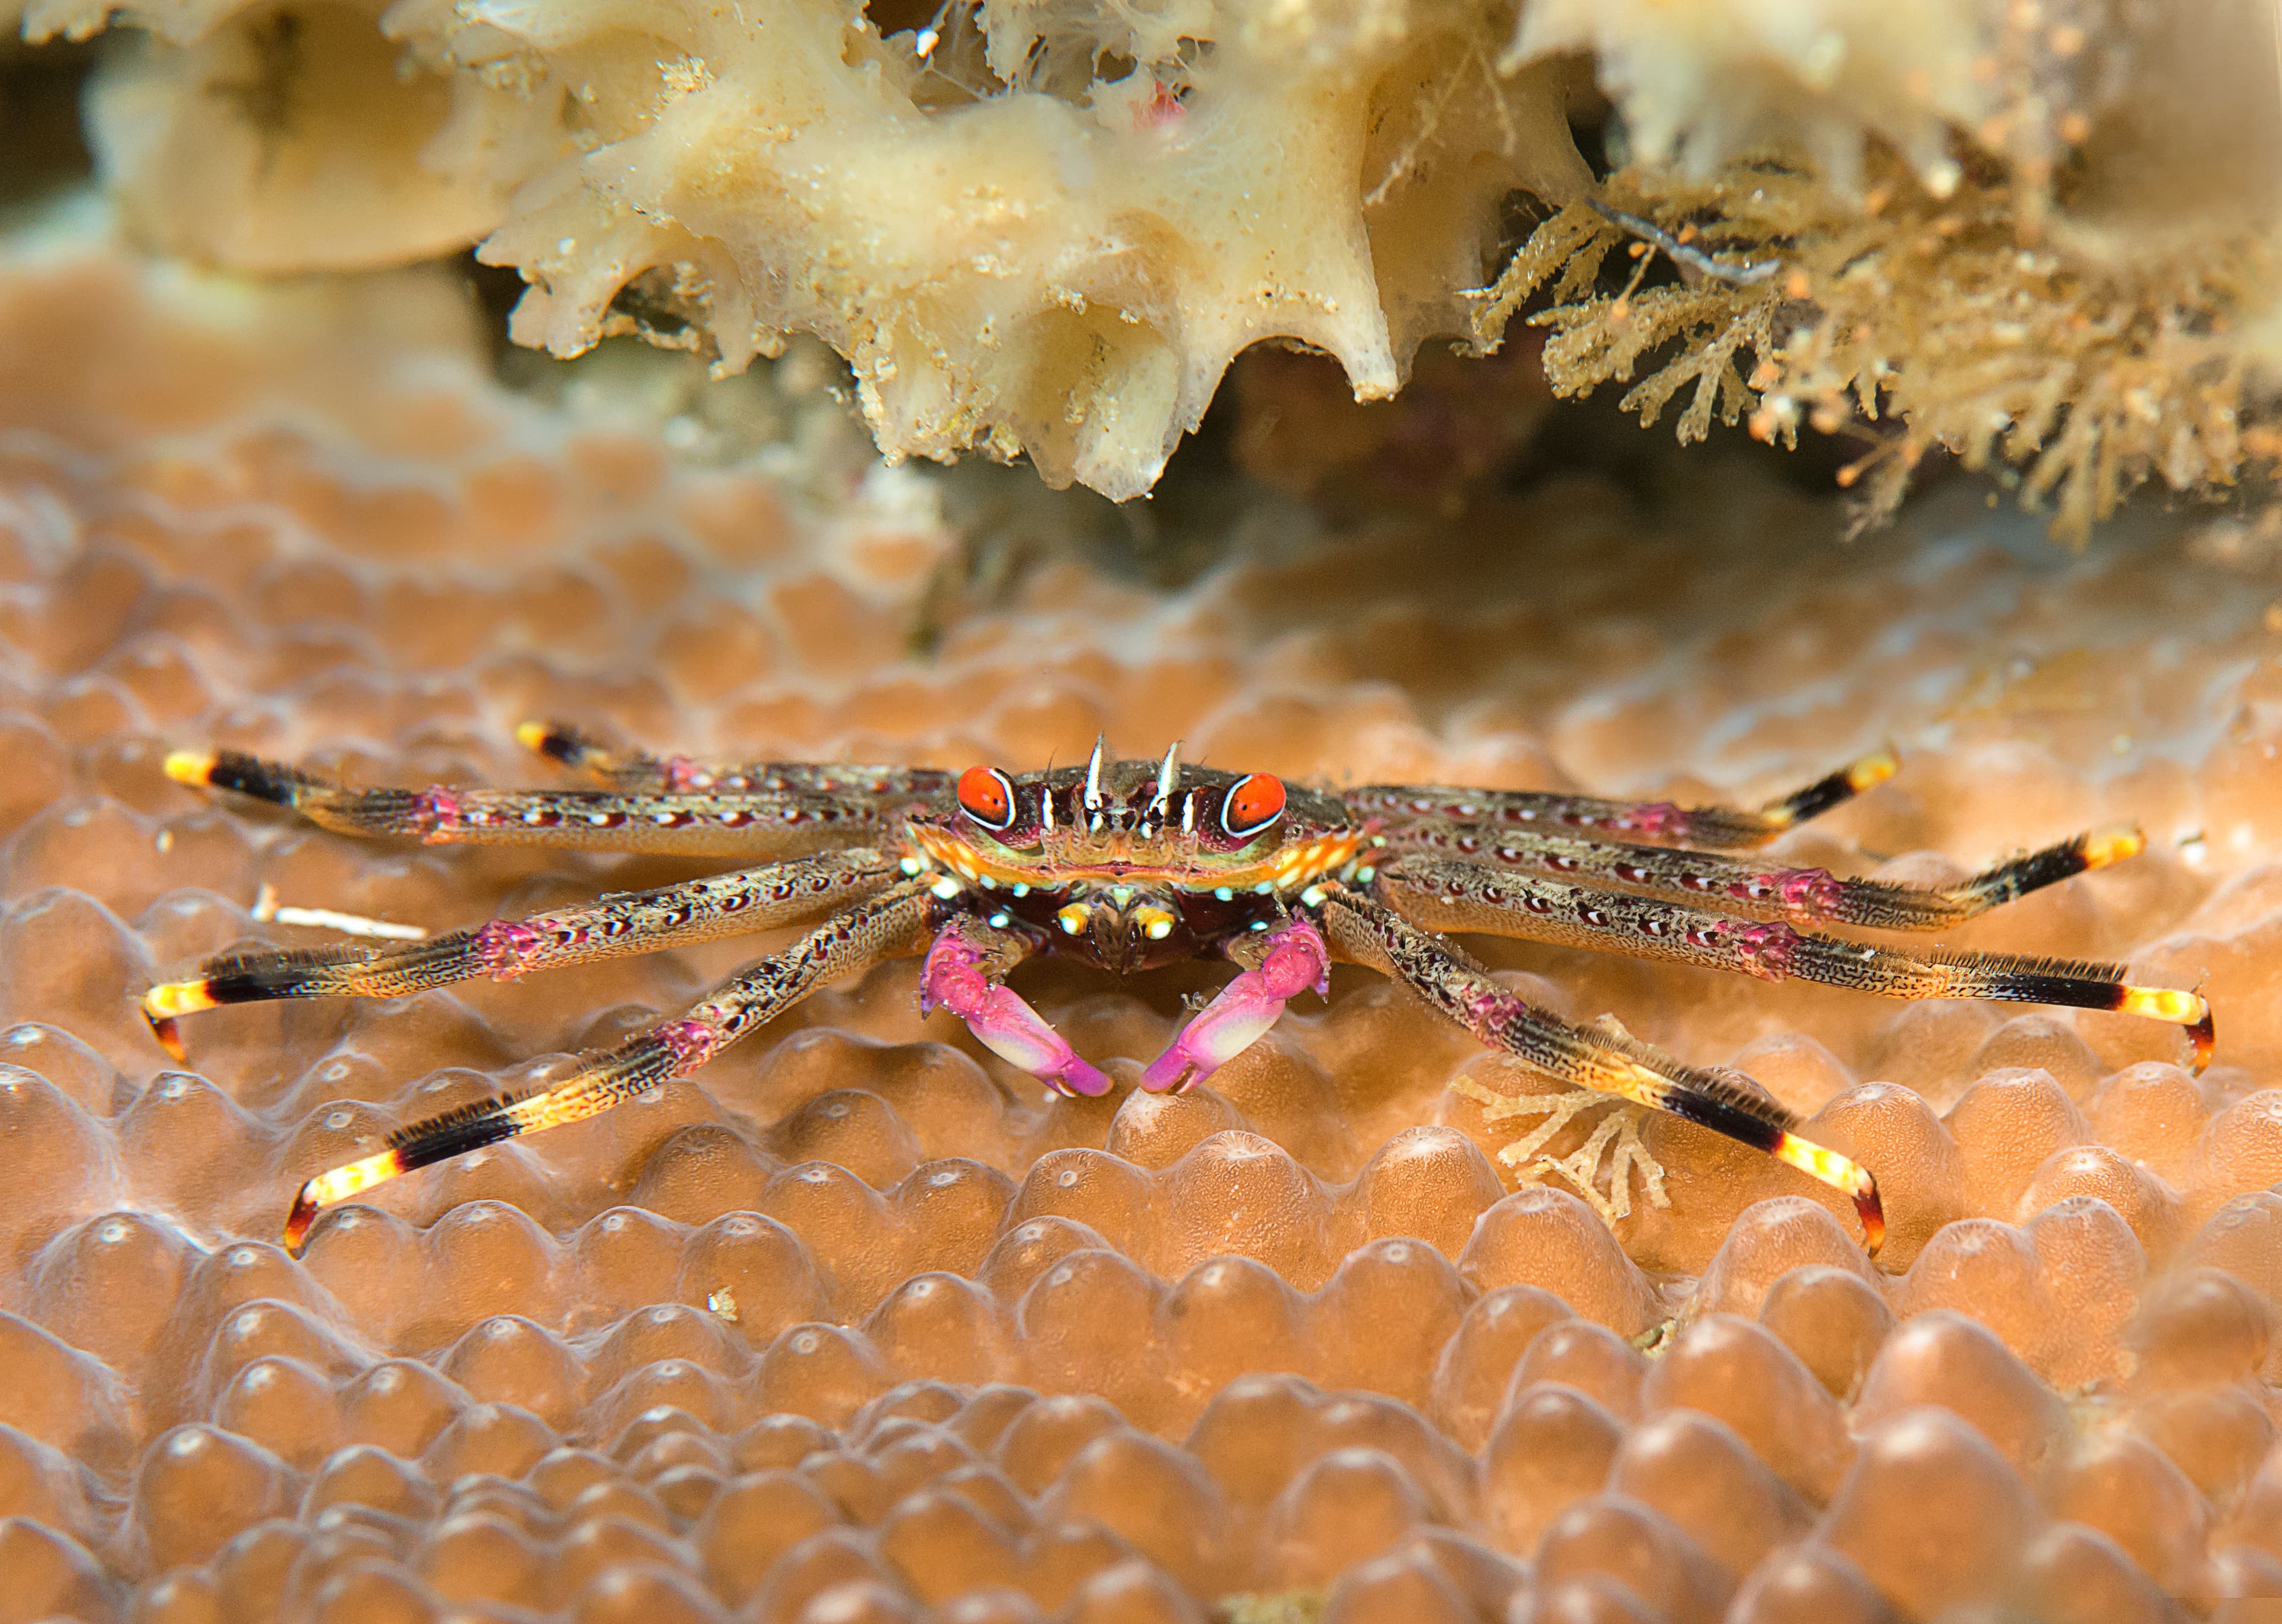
[1253, 803]
[986, 795]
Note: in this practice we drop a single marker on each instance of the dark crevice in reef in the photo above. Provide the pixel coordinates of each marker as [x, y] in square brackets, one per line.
[42, 149]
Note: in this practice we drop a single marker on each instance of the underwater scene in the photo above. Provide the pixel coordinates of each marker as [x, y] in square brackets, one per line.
[1140, 811]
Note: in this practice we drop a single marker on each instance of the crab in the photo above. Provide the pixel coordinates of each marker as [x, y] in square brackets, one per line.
[1129, 865]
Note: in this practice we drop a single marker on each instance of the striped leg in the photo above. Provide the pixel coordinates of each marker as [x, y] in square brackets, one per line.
[1464, 897]
[611, 927]
[681, 774]
[696, 824]
[1722, 829]
[1753, 888]
[1367, 931]
[892, 924]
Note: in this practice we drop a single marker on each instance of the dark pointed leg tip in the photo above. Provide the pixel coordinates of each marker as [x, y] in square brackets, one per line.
[1872, 1212]
[298, 1222]
[169, 1037]
[2204, 1036]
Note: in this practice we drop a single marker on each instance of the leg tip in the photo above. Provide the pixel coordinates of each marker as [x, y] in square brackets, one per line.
[297, 1220]
[1173, 1072]
[1081, 1079]
[2204, 1036]
[194, 768]
[1842, 1174]
[1872, 1212]
[1873, 769]
[161, 1006]
[553, 741]
[169, 1037]
[329, 1189]
[2113, 844]
[2190, 1010]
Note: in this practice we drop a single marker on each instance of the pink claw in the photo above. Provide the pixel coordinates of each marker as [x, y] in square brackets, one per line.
[1248, 1006]
[999, 1019]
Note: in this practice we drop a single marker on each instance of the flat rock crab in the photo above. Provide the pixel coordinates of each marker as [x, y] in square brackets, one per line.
[1133, 864]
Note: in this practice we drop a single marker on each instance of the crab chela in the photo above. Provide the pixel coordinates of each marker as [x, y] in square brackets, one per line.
[1131, 865]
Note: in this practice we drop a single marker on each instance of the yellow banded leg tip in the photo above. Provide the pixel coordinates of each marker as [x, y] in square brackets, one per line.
[533, 736]
[190, 767]
[1871, 1213]
[2164, 1004]
[2114, 844]
[1841, 1173]
[330, 1189]
[1873, 770]
[176, 998]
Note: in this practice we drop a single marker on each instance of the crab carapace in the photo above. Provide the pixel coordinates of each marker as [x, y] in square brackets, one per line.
[1130, 864]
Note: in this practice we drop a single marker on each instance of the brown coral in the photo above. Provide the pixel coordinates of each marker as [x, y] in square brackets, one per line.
[1940, 313]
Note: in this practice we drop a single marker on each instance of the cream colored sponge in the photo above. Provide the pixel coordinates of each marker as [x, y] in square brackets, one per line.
[1034, 226]
[1047, 229]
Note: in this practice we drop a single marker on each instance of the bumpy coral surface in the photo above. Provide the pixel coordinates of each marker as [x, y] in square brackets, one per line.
[853, 1325]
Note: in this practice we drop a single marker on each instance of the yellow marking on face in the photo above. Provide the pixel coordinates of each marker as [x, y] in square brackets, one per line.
[2102, 847]
[1073, 918]
[1155, 923]
[1284, 867]
[342, 1183]
[177, 998]
[954, 853]
[190, 767]
[1298, 864]
[2162, 1004]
